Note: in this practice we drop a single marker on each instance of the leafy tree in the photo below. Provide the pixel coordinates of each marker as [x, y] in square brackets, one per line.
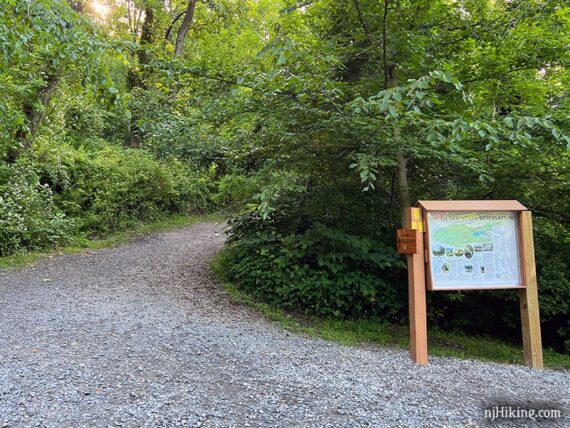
[43, 43]
[421, 99]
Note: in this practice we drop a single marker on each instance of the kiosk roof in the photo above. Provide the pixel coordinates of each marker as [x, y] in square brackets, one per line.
[486, 205]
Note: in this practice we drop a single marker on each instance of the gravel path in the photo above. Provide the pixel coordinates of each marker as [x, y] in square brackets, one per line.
[141, 336]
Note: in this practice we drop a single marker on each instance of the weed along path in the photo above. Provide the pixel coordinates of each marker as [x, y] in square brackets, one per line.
[140, 335]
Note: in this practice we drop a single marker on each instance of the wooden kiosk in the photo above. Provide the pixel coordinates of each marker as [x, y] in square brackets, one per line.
[470, 245]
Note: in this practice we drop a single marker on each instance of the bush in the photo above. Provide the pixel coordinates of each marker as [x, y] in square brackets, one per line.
[29, 218]
[107, 187]
[319, 270]
[59, 189]
[118, 187]
[235, 191]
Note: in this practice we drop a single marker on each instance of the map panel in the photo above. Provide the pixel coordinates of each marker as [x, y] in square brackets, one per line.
[473, 249]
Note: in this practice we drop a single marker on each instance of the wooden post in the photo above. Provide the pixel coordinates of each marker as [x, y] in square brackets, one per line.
[530, 316]
[417, 291]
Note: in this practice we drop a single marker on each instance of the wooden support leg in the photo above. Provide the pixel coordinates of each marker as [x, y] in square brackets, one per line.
[417, 292]
[530, 316]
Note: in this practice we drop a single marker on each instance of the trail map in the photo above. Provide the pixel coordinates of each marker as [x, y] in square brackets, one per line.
[473, 249]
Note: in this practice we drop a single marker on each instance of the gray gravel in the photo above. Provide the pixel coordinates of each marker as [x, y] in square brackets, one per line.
[140, 335]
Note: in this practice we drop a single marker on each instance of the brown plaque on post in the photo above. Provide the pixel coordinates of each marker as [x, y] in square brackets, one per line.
[407, 241]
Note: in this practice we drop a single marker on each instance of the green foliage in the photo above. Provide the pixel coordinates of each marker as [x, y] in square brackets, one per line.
[29, 218]
[59, 191]
[437, 114]
[109, 188]
[236, 191]
[319, 270]
[553, 255]
[43, 43]
[84, 119]
[342, 102]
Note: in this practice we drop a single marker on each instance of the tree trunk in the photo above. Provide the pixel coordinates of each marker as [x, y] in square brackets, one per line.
[179, 46]
[390, 81]
[401, 161]
[147, 35]
[403, 188]
[35, 116]
[402, 167]
[136, 79]
[168, 35]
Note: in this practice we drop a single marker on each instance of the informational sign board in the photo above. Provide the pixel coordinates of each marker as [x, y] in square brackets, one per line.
[470, 245]
[473, 250]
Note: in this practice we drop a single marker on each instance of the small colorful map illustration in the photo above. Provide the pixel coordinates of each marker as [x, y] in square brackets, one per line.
[473, 249]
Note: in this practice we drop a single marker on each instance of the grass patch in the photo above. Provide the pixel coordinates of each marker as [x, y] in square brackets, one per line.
[78, 244]
[358, 332]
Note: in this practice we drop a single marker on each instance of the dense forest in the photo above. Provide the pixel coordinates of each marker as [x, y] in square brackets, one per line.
[315, 122]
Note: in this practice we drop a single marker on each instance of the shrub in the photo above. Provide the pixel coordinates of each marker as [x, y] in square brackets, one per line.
[60, 188]
[235, 191]
[107, 187]
[124, 187]
[29, 218]
[319, 270]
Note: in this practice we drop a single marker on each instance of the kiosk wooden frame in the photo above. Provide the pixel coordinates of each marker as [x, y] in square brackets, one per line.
[412, 241]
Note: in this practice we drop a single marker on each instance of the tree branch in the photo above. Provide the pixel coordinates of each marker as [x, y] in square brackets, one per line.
[513, 70]
[168, 36]
[179, 46]
[362, 21]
